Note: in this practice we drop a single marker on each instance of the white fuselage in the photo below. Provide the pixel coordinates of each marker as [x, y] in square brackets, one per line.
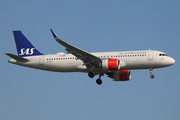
[60, 62]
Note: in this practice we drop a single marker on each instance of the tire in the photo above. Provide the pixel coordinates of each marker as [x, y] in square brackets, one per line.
[152, 76]
[99, 81]
[91, 74]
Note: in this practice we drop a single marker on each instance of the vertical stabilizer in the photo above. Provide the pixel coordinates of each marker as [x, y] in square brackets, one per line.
[24, 46]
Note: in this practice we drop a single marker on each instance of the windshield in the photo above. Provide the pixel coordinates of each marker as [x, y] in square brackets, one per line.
[162, 54]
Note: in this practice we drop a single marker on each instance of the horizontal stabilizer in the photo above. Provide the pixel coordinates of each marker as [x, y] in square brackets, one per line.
[17, 57]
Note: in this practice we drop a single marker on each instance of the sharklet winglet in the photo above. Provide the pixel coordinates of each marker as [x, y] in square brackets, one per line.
[54, 34]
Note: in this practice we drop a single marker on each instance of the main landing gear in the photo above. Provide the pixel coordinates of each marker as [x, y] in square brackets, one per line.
[98, 81]
[91, 74]
[151, 72]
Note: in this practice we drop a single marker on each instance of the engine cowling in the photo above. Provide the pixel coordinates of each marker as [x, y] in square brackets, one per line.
[123, 75]
[110, 64]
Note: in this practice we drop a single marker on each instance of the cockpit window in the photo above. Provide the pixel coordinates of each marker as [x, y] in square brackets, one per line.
[161, 54]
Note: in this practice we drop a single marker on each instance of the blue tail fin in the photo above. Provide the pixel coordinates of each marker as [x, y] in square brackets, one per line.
[24, 46]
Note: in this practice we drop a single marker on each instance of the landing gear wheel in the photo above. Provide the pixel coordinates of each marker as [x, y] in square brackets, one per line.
[99, 81]
[152, 76]
[151, 72]
[91, 74]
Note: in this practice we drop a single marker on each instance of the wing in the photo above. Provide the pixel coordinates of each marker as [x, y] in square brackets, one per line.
[86, 57]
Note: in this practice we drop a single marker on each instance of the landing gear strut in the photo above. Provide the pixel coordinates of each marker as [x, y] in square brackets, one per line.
[151, 72]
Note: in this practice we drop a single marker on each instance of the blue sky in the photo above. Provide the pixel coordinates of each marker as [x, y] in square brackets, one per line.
[93, 26]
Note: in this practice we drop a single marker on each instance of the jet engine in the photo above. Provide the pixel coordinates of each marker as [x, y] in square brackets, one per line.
[110, 64]
[123, 75]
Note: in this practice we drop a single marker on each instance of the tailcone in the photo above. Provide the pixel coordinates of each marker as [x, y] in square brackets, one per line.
[12, 61]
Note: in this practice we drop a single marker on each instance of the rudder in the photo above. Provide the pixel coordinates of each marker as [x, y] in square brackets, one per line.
[24, 46]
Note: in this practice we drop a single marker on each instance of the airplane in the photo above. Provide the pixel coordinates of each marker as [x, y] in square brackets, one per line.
[116, 65]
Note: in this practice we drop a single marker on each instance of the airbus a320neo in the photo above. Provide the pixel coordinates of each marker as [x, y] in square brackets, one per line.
[116, 65]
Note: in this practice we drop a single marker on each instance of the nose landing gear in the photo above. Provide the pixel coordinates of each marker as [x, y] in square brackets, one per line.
[151, 72]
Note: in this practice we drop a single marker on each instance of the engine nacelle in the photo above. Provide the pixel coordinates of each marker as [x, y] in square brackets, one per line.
[110, 64]
[123, 75]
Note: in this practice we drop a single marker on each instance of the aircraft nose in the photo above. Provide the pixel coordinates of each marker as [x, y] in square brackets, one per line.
[171, 61]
